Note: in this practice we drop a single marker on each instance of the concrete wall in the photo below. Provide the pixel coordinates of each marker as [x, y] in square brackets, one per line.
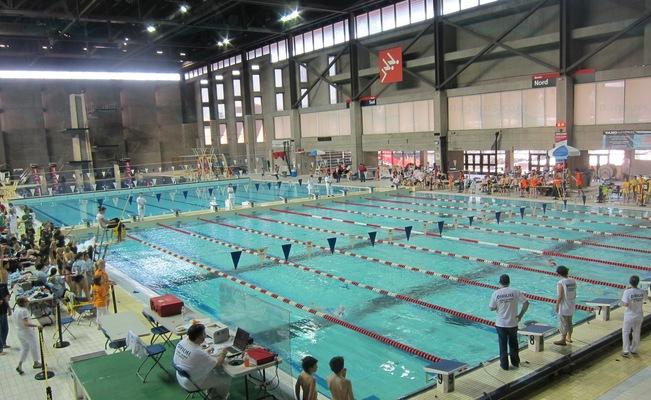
[141, 120]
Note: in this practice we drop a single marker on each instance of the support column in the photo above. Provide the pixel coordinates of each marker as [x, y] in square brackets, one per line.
[357, 151]
[249, 120]
[295, 129]
[647, 37]
[441, 127]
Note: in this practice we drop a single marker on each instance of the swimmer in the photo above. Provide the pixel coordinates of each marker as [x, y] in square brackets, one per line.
[339, 312]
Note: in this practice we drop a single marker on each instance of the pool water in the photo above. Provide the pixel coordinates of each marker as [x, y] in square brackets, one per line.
[77, 209]
[378, 369]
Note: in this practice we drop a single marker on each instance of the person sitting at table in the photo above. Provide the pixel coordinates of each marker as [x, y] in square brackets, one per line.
[204, 369]
[56, 284]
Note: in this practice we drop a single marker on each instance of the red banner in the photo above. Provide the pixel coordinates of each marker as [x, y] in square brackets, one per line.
[390, 65]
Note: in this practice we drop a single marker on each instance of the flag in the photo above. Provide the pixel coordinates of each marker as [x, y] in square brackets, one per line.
[100, 202]
[158, 197]
[234, 189]
[278, 184]
[372, 235]
[300, 182]
[470, 218]
[332, 241]
[564, 203]
[441, 223]
[210, 191]
[498, 215]
[544, 207]
[521, 212]
[257, 187]
[130, 200]
[408, 231]
[185, 194]
[583, 198]
[269, 185]
[286, 248]
[235, 256]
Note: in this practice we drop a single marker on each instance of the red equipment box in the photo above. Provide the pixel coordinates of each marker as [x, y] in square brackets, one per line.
[166, 305]
[260, 356]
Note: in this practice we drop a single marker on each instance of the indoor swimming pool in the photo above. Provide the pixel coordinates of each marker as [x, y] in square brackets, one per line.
[78, 209]
[388, 307]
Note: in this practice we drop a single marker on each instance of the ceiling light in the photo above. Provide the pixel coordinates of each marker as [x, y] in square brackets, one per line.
[220, 44]
[226, 41]
[182, 54]
[126, 39]
[85, 49]
[124, 43]
[44, 47]
[203, 81]
[159, 51]
[124, 50]
[151, 28]
[184, 8]
[219, 77]
[236, 72]
[255, 67]
[4, 46]
[291, 16]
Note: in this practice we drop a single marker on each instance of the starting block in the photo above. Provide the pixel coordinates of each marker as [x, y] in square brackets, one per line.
[603, 306]
[536, 334]
[444, 372]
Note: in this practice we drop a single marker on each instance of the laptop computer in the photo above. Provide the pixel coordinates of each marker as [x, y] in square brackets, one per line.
[240, 342]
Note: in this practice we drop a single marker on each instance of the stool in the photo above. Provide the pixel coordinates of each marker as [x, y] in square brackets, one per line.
[603, 306]
[646, 281]
[536, 334]
[445, 371]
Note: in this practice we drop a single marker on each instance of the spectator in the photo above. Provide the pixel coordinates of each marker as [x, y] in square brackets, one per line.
[565, 303]
[505, 301]
[306, 381]
[100, 298]
[26, 335]
[340, 387]
[362, 172]
[5, 312]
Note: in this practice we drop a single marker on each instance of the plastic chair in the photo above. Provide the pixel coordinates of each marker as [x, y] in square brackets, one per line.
[116, 345]
[190, 392]
[158, 330]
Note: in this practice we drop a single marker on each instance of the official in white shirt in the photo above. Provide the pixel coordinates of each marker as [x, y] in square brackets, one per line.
[328, 185]
[565, 305]
[26, 335]
[505, 301]
[141, 206]
[633, 300]
[205, 370]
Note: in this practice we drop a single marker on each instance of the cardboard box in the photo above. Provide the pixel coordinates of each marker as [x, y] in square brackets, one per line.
[166, 305]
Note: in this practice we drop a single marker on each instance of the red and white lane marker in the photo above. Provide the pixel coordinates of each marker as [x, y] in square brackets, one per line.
[428, 250]
[483, 209]
[619, 214]
[302, 267]
[383, 339]
[506, 246]
[477, 228]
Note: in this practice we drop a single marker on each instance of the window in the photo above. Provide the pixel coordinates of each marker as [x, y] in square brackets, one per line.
[256, 82]
[273, 49]
[318, 39]
[484, 161]
[207, 136]
[532, 160]
[402, 13]
[361, 25]
[465, 4]
[340, 36]
[643, 155]
[305, 103]
[206, 114]
[259, 131]
[239, 128]
[298, 44]
[221, 111]
[308, 44]
[278, 78]
[450, 6]
[282, 50]
[219, 90]
[391, 158]
[302, 72]
[205, 98]
[236, 72]
[417, 10]
[237, 89]
[388, 18]
[598, 158]
[280, 102]
[333, 68]
[429, 5]
[375, 22]
[223, 134]
[257, 105]
[333, 94]
[219, 77]
[238, 108]
[328, 39]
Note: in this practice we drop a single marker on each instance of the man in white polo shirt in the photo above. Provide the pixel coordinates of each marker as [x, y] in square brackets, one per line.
[505, 301]
[633, 299]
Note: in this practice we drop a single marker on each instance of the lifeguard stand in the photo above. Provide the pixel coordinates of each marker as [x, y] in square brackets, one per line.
[205, 160]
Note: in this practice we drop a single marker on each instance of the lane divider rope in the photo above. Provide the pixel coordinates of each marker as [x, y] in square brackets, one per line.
[434, 251]
[506, 246]
[366, 332]
[302, 267]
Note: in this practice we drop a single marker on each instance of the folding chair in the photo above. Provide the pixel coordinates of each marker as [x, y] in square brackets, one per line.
[190, 393]
[86, 311]
[142, 351]
[158, 331]
[116, 345]
[66, 322]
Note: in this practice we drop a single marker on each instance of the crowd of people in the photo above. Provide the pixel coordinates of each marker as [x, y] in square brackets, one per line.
[39, 260]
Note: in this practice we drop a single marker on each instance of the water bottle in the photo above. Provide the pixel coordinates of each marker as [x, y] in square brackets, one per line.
[184, 314]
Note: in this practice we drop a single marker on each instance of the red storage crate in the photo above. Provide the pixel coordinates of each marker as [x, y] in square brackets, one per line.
[259, 356]
[166, 305]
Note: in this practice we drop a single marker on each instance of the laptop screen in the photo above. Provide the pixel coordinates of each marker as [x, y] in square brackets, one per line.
[241, 339]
